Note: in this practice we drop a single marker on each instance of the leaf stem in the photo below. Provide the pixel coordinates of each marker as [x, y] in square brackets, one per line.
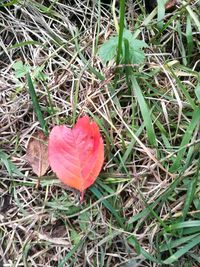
[82, 196]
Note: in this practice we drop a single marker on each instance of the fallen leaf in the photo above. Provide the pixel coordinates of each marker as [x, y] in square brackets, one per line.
[171, 5]
[37, 153]
[76, 155]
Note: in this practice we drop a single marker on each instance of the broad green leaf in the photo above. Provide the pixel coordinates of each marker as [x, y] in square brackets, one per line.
[108, 50]
[20, 69]
[75, 237]
[135, 48]
[84, 220]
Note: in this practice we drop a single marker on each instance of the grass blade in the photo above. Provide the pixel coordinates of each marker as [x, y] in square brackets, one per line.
[161, 13]
[183, 89]
[176, 226]
[132, 241]
[182, 251]
[193, 15]
[190, 194]
[36, 105]
[121, 29]
[10, 167]
[25, 43]
[189, 37]
[186, 138]
[71, 252]
[107, 204]
[178, 242]
[145, 112]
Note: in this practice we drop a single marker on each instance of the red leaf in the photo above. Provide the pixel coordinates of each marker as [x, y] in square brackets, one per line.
[76, 155]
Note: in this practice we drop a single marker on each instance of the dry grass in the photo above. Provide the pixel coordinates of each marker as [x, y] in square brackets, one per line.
[47, 226]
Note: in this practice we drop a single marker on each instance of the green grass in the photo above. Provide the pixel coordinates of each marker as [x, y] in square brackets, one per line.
[144, 209]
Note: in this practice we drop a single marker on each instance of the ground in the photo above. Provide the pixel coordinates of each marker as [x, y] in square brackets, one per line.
[144, 208]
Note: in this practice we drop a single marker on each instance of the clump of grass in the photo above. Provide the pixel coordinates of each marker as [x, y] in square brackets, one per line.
[144, 208]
